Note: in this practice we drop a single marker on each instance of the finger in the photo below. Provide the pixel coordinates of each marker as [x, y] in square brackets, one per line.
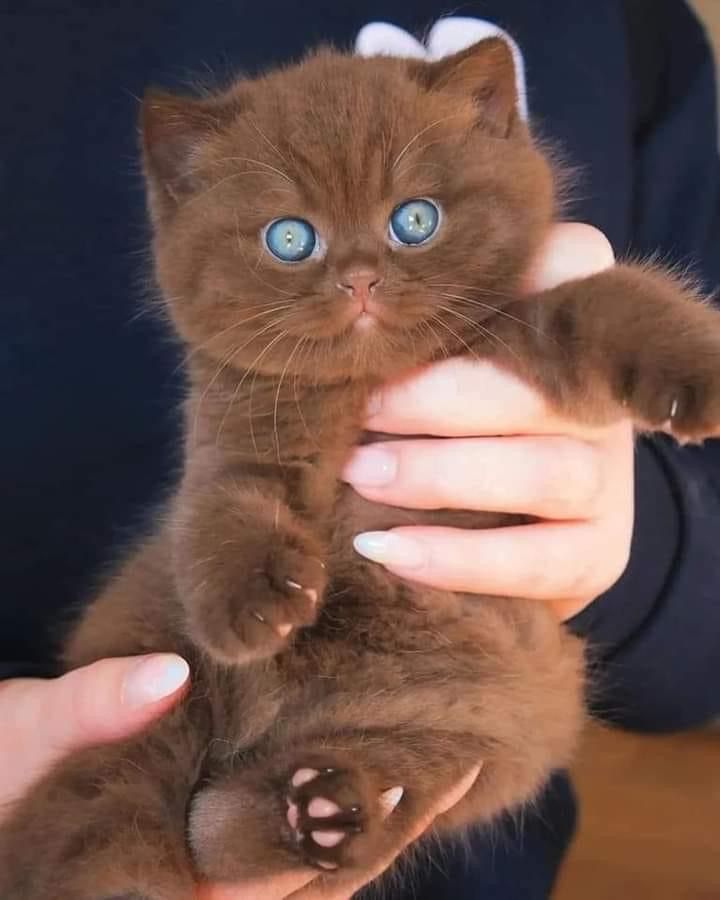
[550, 477]
[545, 561]
[571, 250]
[341, 888]
[464, 398]
[105, 701]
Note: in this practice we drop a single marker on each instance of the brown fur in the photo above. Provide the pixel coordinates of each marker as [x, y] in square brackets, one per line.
[383, 682]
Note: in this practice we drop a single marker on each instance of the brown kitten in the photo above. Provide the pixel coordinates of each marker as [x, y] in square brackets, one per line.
[316, 674]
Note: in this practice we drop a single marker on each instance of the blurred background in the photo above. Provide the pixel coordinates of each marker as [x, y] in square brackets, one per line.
[649, 806]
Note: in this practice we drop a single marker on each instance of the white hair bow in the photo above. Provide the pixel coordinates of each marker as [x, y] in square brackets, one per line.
[447, 36]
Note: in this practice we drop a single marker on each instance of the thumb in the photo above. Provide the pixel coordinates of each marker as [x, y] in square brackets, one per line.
[571, 250]
[105, 701]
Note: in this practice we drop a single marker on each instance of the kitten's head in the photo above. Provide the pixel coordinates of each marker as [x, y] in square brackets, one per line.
[344, 217]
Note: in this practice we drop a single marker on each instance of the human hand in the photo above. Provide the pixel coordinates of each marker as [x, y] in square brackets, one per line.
[44, 720]
[300, 885]
[501, 449]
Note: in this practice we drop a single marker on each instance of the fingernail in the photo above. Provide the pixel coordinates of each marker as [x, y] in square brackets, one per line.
[371, 467]
[390, 549]
[153, 679]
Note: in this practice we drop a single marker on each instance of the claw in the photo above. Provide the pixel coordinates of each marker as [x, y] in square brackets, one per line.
[389, 799]
[311, 593]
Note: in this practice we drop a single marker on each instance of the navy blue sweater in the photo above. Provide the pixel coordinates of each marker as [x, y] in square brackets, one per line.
[90, 433]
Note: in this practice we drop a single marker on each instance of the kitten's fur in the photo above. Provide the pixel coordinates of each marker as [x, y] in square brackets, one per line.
[381, 682]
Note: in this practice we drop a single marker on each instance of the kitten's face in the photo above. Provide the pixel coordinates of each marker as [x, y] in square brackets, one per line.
[344, 217]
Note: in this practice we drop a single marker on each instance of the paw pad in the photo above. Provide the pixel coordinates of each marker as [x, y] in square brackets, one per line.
[322, 826]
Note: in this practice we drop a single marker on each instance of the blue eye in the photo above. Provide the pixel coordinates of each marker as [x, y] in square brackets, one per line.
[290, 240]
[414, 222]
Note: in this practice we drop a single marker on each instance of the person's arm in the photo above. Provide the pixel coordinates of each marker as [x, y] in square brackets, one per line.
[657, 631]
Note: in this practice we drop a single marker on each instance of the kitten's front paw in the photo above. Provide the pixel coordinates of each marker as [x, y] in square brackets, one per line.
[260, 601]
[684, 402]
[335, 818]
[283, 594]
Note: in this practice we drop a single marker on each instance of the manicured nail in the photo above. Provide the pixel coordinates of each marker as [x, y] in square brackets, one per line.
[371, 467]
[153, 679]
[390, 549]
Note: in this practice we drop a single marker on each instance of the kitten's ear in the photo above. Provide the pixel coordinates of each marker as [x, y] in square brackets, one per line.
[173, 128]
[484, 72]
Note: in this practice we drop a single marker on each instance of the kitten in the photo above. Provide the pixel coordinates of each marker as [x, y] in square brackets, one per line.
[319, 232]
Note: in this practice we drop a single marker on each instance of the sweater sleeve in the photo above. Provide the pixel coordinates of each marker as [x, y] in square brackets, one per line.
[655, 636]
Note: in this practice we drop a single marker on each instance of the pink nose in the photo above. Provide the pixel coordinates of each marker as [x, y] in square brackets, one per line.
[360, 283]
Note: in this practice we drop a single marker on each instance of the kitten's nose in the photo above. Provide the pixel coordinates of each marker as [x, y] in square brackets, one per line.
[360, 283]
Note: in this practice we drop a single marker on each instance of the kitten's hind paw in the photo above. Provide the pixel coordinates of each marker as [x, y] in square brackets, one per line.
[332, 815]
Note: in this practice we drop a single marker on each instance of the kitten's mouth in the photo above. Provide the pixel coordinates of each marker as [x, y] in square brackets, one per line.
[365, 313]
[364, 321]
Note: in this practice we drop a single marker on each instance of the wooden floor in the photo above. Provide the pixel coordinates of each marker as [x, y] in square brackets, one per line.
[650, 819]
[650, 807]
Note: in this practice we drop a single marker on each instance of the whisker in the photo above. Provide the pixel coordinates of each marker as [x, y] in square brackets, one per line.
[417, 137]
[488, 292]
[419, 165]
[256, 162]
[253, 269]
[298, 406]
[276, 433]
[438, 339]
[473, 301]
[224, 363]
[457, 337]
[274, 307]
[236, 392]
[481, 328]
[222, 181]
[268, 141]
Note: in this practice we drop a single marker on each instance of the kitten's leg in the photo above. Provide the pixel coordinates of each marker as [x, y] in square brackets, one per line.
[250, 572]
[628, 337]
[330, 805]
[107, 823]
[491, 681]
